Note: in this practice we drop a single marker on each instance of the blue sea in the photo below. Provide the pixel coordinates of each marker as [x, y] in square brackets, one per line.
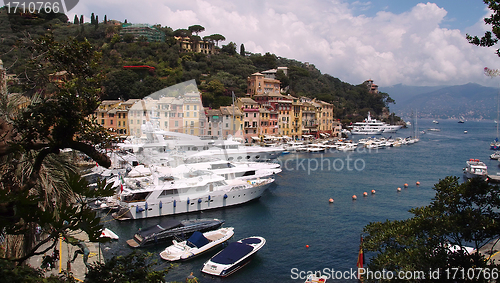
[295, 212]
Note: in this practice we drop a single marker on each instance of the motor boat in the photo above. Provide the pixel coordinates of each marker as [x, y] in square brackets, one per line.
[197, 244]
[160, 194]
[373, 127]
[233, 257]
[475, 168]
[495, 155]
[106, 233]
[315, 278]
[170, 228]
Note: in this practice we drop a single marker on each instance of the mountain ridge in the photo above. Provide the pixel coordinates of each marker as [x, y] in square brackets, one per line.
[471, 100]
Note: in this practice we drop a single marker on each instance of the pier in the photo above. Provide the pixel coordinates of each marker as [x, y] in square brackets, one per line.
[66, 253]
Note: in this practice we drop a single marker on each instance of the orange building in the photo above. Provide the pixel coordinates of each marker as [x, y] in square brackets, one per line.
[258, 84]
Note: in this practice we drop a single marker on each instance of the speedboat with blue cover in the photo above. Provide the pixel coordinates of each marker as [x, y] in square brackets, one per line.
[197, 244]
[233, 257]
[170, 228]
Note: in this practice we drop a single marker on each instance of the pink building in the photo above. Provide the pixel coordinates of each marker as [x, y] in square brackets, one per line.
[251, 118]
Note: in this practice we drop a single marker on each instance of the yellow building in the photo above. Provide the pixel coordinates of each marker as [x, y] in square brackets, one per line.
[228, 126]
[325, 117]
[122, 127]
[194, 114]
[105, 114]
[188, 45]
[296, 118]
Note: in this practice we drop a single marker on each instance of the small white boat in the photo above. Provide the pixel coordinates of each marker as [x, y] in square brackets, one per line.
[106, 233]
[197, 244]
[435, 122]
[475, 168]
[233, 257]
[313, 278]
[495, 155]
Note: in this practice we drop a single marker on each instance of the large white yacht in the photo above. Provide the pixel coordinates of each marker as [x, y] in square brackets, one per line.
[158, 195]
[193, 146]
[475, 168]
[373, 127]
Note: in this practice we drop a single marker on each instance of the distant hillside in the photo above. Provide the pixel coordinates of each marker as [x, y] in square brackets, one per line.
[402, 93]
[472, 101]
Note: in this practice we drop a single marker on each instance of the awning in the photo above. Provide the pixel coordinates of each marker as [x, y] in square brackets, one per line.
[256, 138]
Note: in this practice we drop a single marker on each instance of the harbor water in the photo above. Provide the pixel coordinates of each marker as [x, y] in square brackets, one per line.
[305, 232]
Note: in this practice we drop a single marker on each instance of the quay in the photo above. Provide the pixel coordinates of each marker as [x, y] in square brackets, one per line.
[494, 178]
[66, 253]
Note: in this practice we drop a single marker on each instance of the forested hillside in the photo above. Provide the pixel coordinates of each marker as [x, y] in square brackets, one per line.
[217, 75]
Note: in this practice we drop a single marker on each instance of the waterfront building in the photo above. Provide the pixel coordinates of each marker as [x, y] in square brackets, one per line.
[140, 113]
[214, 122]
[230, 126]
[296, 118]
[251, 118]
[325, 118]
[194, 114]
[309, 119]
[264, 122]
[121, 114]
[105, 114]
[336, 129]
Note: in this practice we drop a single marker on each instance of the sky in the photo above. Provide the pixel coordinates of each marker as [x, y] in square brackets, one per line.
[389, 41]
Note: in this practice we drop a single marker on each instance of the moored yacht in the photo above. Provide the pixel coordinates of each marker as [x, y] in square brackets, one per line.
[197, 244]
[233, 257]
[193, 146]
[373, 127]
[475, 168]
[170, 228]
[158, 195]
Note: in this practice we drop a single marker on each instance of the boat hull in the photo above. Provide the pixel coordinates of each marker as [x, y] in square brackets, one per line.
[202, 225]
[181, 251]
[176, 205]
[233, 258]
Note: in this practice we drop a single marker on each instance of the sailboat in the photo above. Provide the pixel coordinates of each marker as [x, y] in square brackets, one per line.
[461, 120]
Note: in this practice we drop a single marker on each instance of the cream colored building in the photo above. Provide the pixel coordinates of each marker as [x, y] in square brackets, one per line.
[194, 115]
[232, 127]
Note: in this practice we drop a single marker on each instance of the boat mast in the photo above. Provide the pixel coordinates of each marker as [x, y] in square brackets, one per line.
[498, 109]
[234, 130]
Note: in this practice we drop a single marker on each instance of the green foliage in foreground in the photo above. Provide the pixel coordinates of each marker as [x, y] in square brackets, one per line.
[129, 268]
[466, 214]
[11, 273]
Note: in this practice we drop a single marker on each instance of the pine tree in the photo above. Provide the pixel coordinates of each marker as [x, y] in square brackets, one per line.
[125, 21]
[96, 23]
[92, 18]
[105, 19]
[75, 21]
[81, 19]
[242, 50]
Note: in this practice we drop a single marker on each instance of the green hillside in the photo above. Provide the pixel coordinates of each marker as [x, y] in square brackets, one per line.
[217, 75]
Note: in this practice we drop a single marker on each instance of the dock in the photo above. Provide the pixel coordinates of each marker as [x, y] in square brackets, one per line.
[66, 253]
[494, 178]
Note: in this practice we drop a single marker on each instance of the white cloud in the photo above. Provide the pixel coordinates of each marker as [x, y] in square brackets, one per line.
[410, 48]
